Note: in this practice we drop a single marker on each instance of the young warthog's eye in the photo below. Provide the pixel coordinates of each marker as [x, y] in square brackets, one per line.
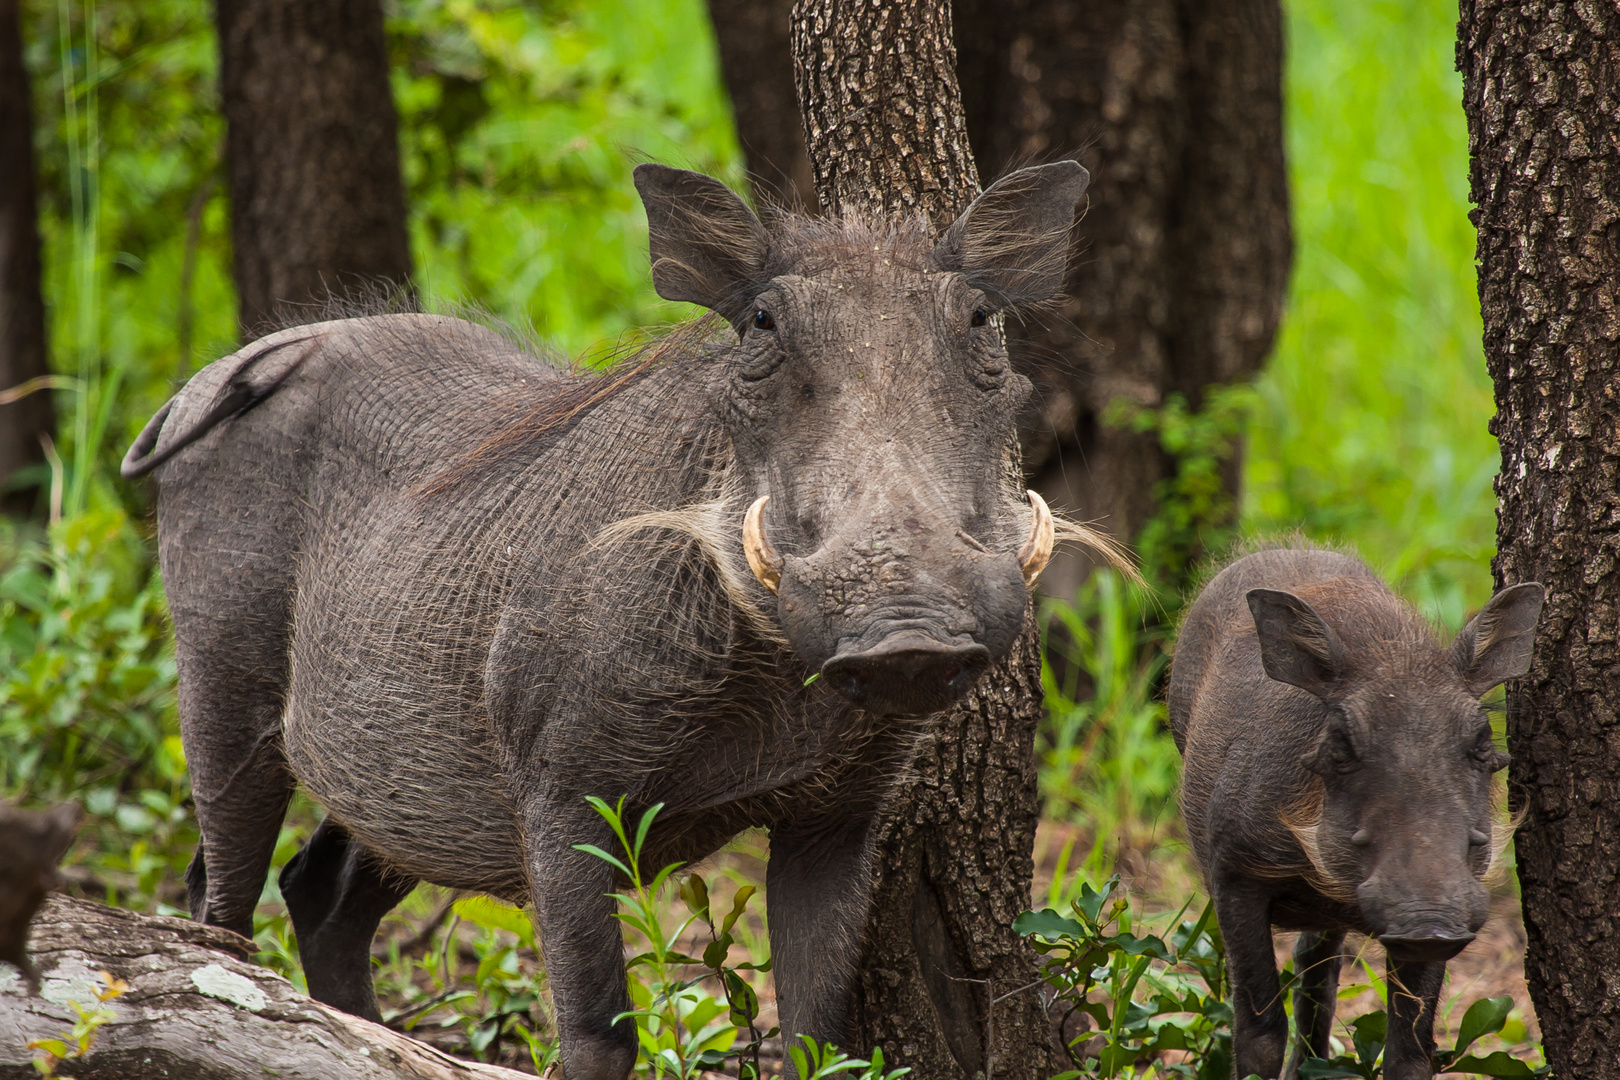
[763, 320]
[979, 318]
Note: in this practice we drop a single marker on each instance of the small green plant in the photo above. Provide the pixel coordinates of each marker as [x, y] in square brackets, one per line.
[1487, 1016]
[1129, 1000]
[1197, 514]
[817, 1061]
[76, 1042]
[1106, 756]
[682, 1029]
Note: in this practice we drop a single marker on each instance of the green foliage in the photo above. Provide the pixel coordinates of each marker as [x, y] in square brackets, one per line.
[1371, 422]
[1196, 517]
[75, 1043]
[1106, 756]
[1137, 999]
[520, 124]
[681, 1028]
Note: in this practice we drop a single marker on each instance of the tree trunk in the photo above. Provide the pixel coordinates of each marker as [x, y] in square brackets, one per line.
[1542, 93]
[756, 64]
[1179, 275]
[312, 154]
[22, 310]
[945, 984]
[196, 1007]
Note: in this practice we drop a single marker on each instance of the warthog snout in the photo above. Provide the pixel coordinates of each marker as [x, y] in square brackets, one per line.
[906, 674]
[1424, 946]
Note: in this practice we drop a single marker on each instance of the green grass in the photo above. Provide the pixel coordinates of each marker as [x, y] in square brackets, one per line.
[1372, 422]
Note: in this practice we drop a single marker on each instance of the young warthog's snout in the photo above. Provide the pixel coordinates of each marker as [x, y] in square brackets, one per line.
[1422, 910]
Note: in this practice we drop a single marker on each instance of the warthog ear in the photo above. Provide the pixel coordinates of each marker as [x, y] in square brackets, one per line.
[1495, 645]
[707, 247]
[1296, 646]
[1013, 242]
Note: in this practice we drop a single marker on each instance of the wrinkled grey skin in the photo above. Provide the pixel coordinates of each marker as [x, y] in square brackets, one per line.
[1303, 692]
[394, 580]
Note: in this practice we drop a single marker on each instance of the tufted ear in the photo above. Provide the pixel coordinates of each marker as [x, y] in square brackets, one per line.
[1296, 646]
[707, 247]
[1013, 242]
[1495, 645]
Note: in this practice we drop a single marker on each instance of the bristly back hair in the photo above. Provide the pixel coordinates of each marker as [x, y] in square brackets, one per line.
[583, 390]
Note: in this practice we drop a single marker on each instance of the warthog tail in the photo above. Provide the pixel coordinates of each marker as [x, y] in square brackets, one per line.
[240, 393]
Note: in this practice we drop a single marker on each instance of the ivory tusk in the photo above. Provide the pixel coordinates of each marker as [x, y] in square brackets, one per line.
[1037, 550]
[762, 558]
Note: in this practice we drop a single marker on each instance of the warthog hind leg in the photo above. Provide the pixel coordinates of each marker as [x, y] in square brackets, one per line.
[337, 893]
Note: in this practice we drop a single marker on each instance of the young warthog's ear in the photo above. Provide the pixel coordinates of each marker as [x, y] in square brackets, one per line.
[1013, 242]
[1495, 645]
[1296, 646]
[707, 247]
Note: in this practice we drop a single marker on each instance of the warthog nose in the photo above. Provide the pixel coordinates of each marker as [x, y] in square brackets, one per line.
[906, 674]
[1421, 946]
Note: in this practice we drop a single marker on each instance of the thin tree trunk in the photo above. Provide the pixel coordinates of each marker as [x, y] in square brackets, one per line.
[22, 310]
[1179, 274]
[757, 66]
[312, 154]
[945, 984]
[1542, 93]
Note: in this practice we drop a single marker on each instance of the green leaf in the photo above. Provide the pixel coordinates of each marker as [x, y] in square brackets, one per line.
[714, 955]
[739, 904]
[1048, 924]
[1152, 946]
[1499, 1063]
[592, 849]
[493, 915]
[1091, 901]
[1484, 1017]
[695, 893]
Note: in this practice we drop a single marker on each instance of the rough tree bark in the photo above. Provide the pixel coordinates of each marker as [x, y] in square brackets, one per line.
[1542, 93]
[312, 153]
[945, 985]
[22, 310]
[197, 1007]
[1181, 265]
[756, 64]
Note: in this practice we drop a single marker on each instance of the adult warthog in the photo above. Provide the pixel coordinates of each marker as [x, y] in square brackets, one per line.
[453, 590]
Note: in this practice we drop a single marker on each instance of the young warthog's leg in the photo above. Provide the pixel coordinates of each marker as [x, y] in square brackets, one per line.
[582, 941]
[337, 893]
[818, 888]
[230, 721]
[1259, 1022]
[1414, 994]
[1316, 960]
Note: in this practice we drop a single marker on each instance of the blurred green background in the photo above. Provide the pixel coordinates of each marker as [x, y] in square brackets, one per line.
[520, 126]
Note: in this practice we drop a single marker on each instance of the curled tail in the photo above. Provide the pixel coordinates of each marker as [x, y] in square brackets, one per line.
[248, 381]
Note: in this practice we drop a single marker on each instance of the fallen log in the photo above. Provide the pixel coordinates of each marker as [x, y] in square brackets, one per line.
[196, 1007]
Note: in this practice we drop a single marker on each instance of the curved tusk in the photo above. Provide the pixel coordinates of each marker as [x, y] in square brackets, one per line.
[1037, 550]
[762, 558]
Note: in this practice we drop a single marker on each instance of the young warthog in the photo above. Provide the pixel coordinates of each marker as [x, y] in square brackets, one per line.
[1338, 777]
[453, 591]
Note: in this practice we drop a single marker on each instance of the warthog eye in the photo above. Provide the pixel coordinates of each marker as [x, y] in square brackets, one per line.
[979, 318]
[763, 320]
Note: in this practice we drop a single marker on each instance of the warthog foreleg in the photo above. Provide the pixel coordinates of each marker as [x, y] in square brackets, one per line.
[1414, 994]
[1316, 963]
[582, 941]
[819, 886]
[1259, 1022]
